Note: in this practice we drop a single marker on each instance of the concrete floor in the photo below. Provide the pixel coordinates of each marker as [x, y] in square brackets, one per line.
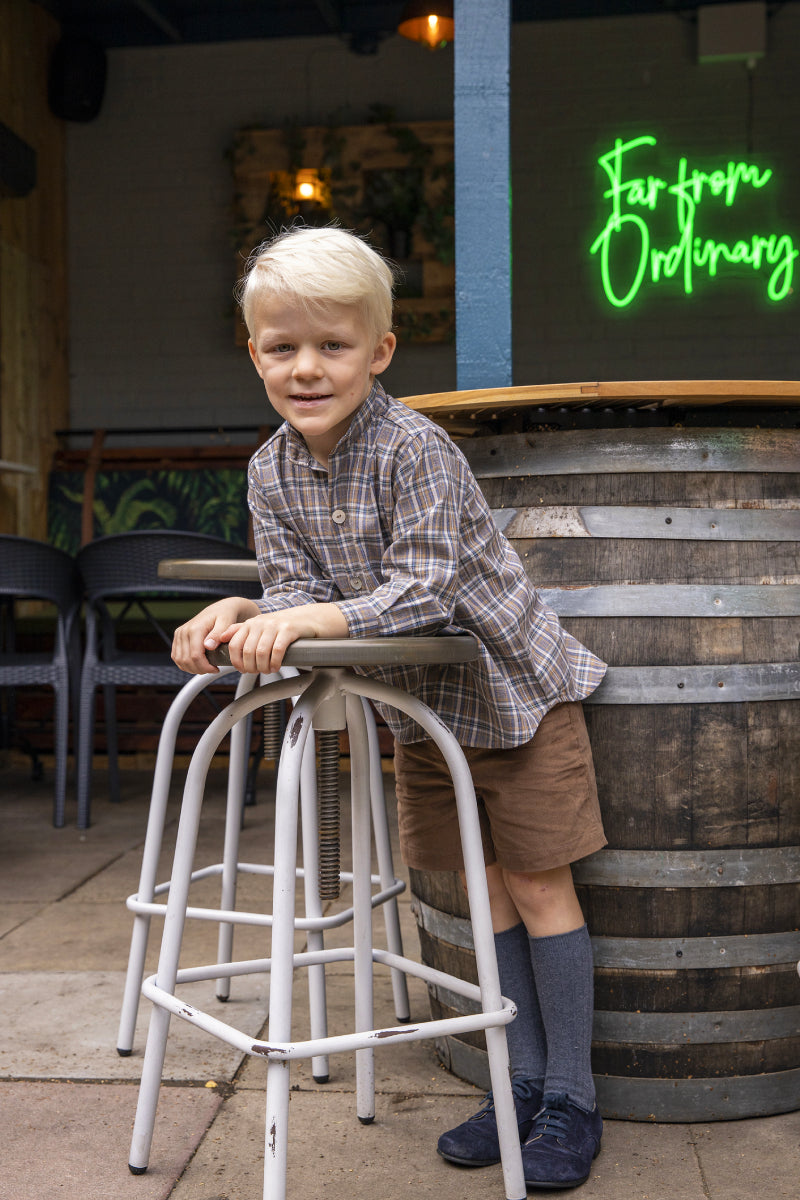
[67, 1099]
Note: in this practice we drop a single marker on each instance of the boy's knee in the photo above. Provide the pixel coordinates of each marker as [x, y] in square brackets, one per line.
[546, 900]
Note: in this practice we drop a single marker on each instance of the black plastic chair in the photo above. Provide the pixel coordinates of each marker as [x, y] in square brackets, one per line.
[123, 568]
[33, 570]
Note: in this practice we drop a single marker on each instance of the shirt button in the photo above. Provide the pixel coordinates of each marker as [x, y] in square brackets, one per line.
[356, 583]
[339, 516]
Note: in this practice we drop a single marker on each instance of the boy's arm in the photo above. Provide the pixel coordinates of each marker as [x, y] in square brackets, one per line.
[259, 644]
[206, 630]
[435, 498]
[439, 520]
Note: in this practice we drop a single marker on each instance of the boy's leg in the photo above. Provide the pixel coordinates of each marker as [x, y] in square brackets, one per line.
[566, 1134]
[545, 966]
[555, 765]
[475, 1142]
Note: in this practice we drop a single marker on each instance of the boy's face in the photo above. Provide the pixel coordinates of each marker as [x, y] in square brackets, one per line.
[317, 367]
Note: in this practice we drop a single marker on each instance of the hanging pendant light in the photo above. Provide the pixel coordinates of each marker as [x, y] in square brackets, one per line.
[428, 21]
[308, 186]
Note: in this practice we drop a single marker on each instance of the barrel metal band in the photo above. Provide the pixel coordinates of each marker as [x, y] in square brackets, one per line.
[669, 1100]
[444, 926]
[724, 1099]
[686, 954]
[748, 867]
[731, 683]
[695, 1029]
[624, 451]
[633, 521]
[673, 1029]
[675, 600]
[646, 954]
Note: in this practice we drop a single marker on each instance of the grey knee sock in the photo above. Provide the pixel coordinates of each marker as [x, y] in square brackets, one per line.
[525, 1034]
[563, 970]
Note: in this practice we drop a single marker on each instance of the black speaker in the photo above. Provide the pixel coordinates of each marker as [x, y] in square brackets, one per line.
[77, 79]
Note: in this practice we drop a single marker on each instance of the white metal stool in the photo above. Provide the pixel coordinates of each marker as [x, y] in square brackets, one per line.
[144, 903]
[331, 696]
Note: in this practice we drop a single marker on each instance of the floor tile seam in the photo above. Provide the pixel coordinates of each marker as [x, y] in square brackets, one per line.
[94, 874]
[694, 1142]
[50, 970]
[200, 1083]
[24, 920]
[326, 1090]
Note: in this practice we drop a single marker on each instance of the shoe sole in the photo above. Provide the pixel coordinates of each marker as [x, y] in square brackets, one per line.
[541, 1185]
[468, 1162]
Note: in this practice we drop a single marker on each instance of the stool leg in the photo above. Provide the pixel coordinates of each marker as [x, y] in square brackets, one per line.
[488, 979]
[480, 915]
[156, 820]
[317, 992]
[383, 851]
[174, 921]
[283, 914]
[362, 905]
[234, 806]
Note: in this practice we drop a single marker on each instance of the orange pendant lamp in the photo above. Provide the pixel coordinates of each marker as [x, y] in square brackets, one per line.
[428, 21]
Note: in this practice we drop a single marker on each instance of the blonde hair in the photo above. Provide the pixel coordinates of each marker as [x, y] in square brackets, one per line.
[316, 267]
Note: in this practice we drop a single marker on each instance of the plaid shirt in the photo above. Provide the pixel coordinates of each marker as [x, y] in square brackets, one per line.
[399, 535]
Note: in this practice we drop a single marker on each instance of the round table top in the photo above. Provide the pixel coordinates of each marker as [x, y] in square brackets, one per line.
[245, 569]
[377, 652]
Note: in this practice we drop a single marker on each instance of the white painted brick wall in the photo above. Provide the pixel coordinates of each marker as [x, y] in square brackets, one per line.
[151, 265]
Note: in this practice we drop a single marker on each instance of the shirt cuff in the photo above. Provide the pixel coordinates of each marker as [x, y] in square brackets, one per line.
[281, 600]
[362, 619]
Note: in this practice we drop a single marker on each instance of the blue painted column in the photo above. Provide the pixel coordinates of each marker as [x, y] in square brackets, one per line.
[483, 209]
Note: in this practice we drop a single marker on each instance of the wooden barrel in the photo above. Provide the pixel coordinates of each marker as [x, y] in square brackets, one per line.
[673, 553]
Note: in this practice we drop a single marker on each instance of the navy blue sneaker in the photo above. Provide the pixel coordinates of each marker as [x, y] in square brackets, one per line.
[475, 1142]
[562, 1144]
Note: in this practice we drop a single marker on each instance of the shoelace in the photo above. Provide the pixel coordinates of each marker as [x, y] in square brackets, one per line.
[550, 1122]
[521, 1089]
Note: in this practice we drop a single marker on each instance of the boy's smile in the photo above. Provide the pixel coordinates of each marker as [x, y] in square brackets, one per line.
[317, 366]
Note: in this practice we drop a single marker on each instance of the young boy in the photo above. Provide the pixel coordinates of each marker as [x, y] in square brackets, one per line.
[369, 522]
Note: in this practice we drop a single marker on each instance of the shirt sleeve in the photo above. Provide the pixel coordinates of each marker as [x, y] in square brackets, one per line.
[290, 576]
[420, 565]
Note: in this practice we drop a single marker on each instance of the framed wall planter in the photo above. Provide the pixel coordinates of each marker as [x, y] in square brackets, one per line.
[392, 182]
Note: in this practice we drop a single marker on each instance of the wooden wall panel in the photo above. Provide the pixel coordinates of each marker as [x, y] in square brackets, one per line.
[34, 398]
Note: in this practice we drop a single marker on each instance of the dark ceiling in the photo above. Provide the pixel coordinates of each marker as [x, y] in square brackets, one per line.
[362, 23]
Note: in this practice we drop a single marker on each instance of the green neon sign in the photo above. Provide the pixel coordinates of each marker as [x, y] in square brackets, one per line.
[626, 247]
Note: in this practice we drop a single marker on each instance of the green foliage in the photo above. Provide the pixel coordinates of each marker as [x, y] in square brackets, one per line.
[138, 506]
[210, 501]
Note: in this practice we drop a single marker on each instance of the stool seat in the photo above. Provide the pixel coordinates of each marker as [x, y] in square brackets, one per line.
[373, 652]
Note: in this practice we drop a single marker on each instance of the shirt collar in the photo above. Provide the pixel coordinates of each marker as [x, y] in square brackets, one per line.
[363, 417]
[375, 403]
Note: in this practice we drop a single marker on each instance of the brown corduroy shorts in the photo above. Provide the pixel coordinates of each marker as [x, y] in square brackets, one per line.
[537, 803]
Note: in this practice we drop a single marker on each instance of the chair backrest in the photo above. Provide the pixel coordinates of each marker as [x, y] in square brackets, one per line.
[126, 565]
[35, 570]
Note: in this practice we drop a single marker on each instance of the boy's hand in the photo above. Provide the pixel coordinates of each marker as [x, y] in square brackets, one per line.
[213, 625]
[260, 643]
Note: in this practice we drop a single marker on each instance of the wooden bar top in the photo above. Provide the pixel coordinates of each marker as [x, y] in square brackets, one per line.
[647, 393]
